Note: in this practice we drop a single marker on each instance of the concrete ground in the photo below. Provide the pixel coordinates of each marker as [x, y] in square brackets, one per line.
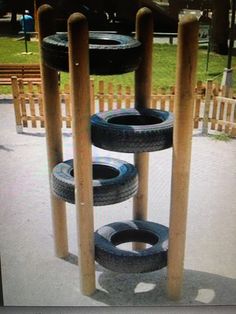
[33, 276]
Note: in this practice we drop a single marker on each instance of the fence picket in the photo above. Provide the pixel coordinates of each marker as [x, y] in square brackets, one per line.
[233, 131]
[172, 101]
[228, 117]
[101, 96]
[41, 111]
[110, 96]
[32, 109]
[221, 115]
[92, 100]
[67, 110]
[153, 98]
[214, 114]
[163, 99]
[22, 103]
[197, 104]
[127, 97]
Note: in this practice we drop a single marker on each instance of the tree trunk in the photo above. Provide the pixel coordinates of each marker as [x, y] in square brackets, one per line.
[220, 26]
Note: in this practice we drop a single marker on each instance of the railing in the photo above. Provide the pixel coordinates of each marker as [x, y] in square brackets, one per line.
[211, 111]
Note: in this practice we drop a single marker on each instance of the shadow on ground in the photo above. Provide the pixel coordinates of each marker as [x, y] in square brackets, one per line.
[150, 289]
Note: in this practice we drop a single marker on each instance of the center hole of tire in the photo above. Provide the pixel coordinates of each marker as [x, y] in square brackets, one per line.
[96, 41]
[123, 238]
[102, 172]
[135, 120]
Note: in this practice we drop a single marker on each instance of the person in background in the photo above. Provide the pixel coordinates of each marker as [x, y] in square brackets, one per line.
[27, 24]
[204, 18]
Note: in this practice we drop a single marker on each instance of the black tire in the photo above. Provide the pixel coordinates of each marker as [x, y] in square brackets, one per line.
[114, 181]
[132, 131]
[108, 53]
[147, 260]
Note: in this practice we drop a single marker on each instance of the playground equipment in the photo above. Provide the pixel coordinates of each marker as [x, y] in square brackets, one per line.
[101, 245]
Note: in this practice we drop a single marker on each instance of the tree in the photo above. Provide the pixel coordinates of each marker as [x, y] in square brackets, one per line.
[220, 26]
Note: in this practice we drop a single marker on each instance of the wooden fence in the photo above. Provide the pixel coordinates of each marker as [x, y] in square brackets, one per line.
[211, 111]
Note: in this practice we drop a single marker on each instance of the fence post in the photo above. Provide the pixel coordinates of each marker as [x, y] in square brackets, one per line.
[101, 96]
[119, 96]
[182, 138]
[207, 107]
[110, 96]
[15, 93]
[233, 131]
[92, 99]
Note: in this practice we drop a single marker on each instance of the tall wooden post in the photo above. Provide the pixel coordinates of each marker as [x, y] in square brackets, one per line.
[52, 109]
[80, 99]
[143, 86]
[182, 137]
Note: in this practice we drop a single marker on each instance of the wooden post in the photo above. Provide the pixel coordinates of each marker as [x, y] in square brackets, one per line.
[15, 93]
[22, 102]
[197, 104]
[127, 97]
[101, 106]
[207, 108]
[119, 96]
[110, 96]
[143, 87]
[233, 131]
[92, 98]
[214, 113]
[228, 116]
[182, 137]
[52, 111]
[80, 100]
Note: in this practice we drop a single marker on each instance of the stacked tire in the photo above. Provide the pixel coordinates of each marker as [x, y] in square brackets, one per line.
[123, 130]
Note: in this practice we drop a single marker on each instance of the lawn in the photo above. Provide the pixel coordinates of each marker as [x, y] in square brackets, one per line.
[164, 60]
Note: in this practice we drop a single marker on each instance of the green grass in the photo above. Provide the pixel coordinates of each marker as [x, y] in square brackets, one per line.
[221, 137]
[164, 61]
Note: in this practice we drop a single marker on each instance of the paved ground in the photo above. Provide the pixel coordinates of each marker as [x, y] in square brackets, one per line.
[32, 276]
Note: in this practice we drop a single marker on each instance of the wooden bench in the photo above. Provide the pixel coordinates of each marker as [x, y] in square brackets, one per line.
[24, 71]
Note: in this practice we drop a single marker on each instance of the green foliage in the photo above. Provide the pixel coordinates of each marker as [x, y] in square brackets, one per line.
[221, 137]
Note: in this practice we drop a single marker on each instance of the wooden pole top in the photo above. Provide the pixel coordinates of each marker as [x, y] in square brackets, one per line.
[44, 10]
[77, 18]
[144, 11]
[46, 21]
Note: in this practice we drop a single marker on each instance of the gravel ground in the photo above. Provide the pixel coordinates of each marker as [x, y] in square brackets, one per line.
[33, 276]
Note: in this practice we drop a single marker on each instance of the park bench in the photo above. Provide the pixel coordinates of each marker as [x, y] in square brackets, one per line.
[24, 71]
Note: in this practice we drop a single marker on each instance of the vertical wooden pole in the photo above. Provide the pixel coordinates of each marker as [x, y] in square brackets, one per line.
[80, 100]
[143, 87]
[52, 111]
[182, 137]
